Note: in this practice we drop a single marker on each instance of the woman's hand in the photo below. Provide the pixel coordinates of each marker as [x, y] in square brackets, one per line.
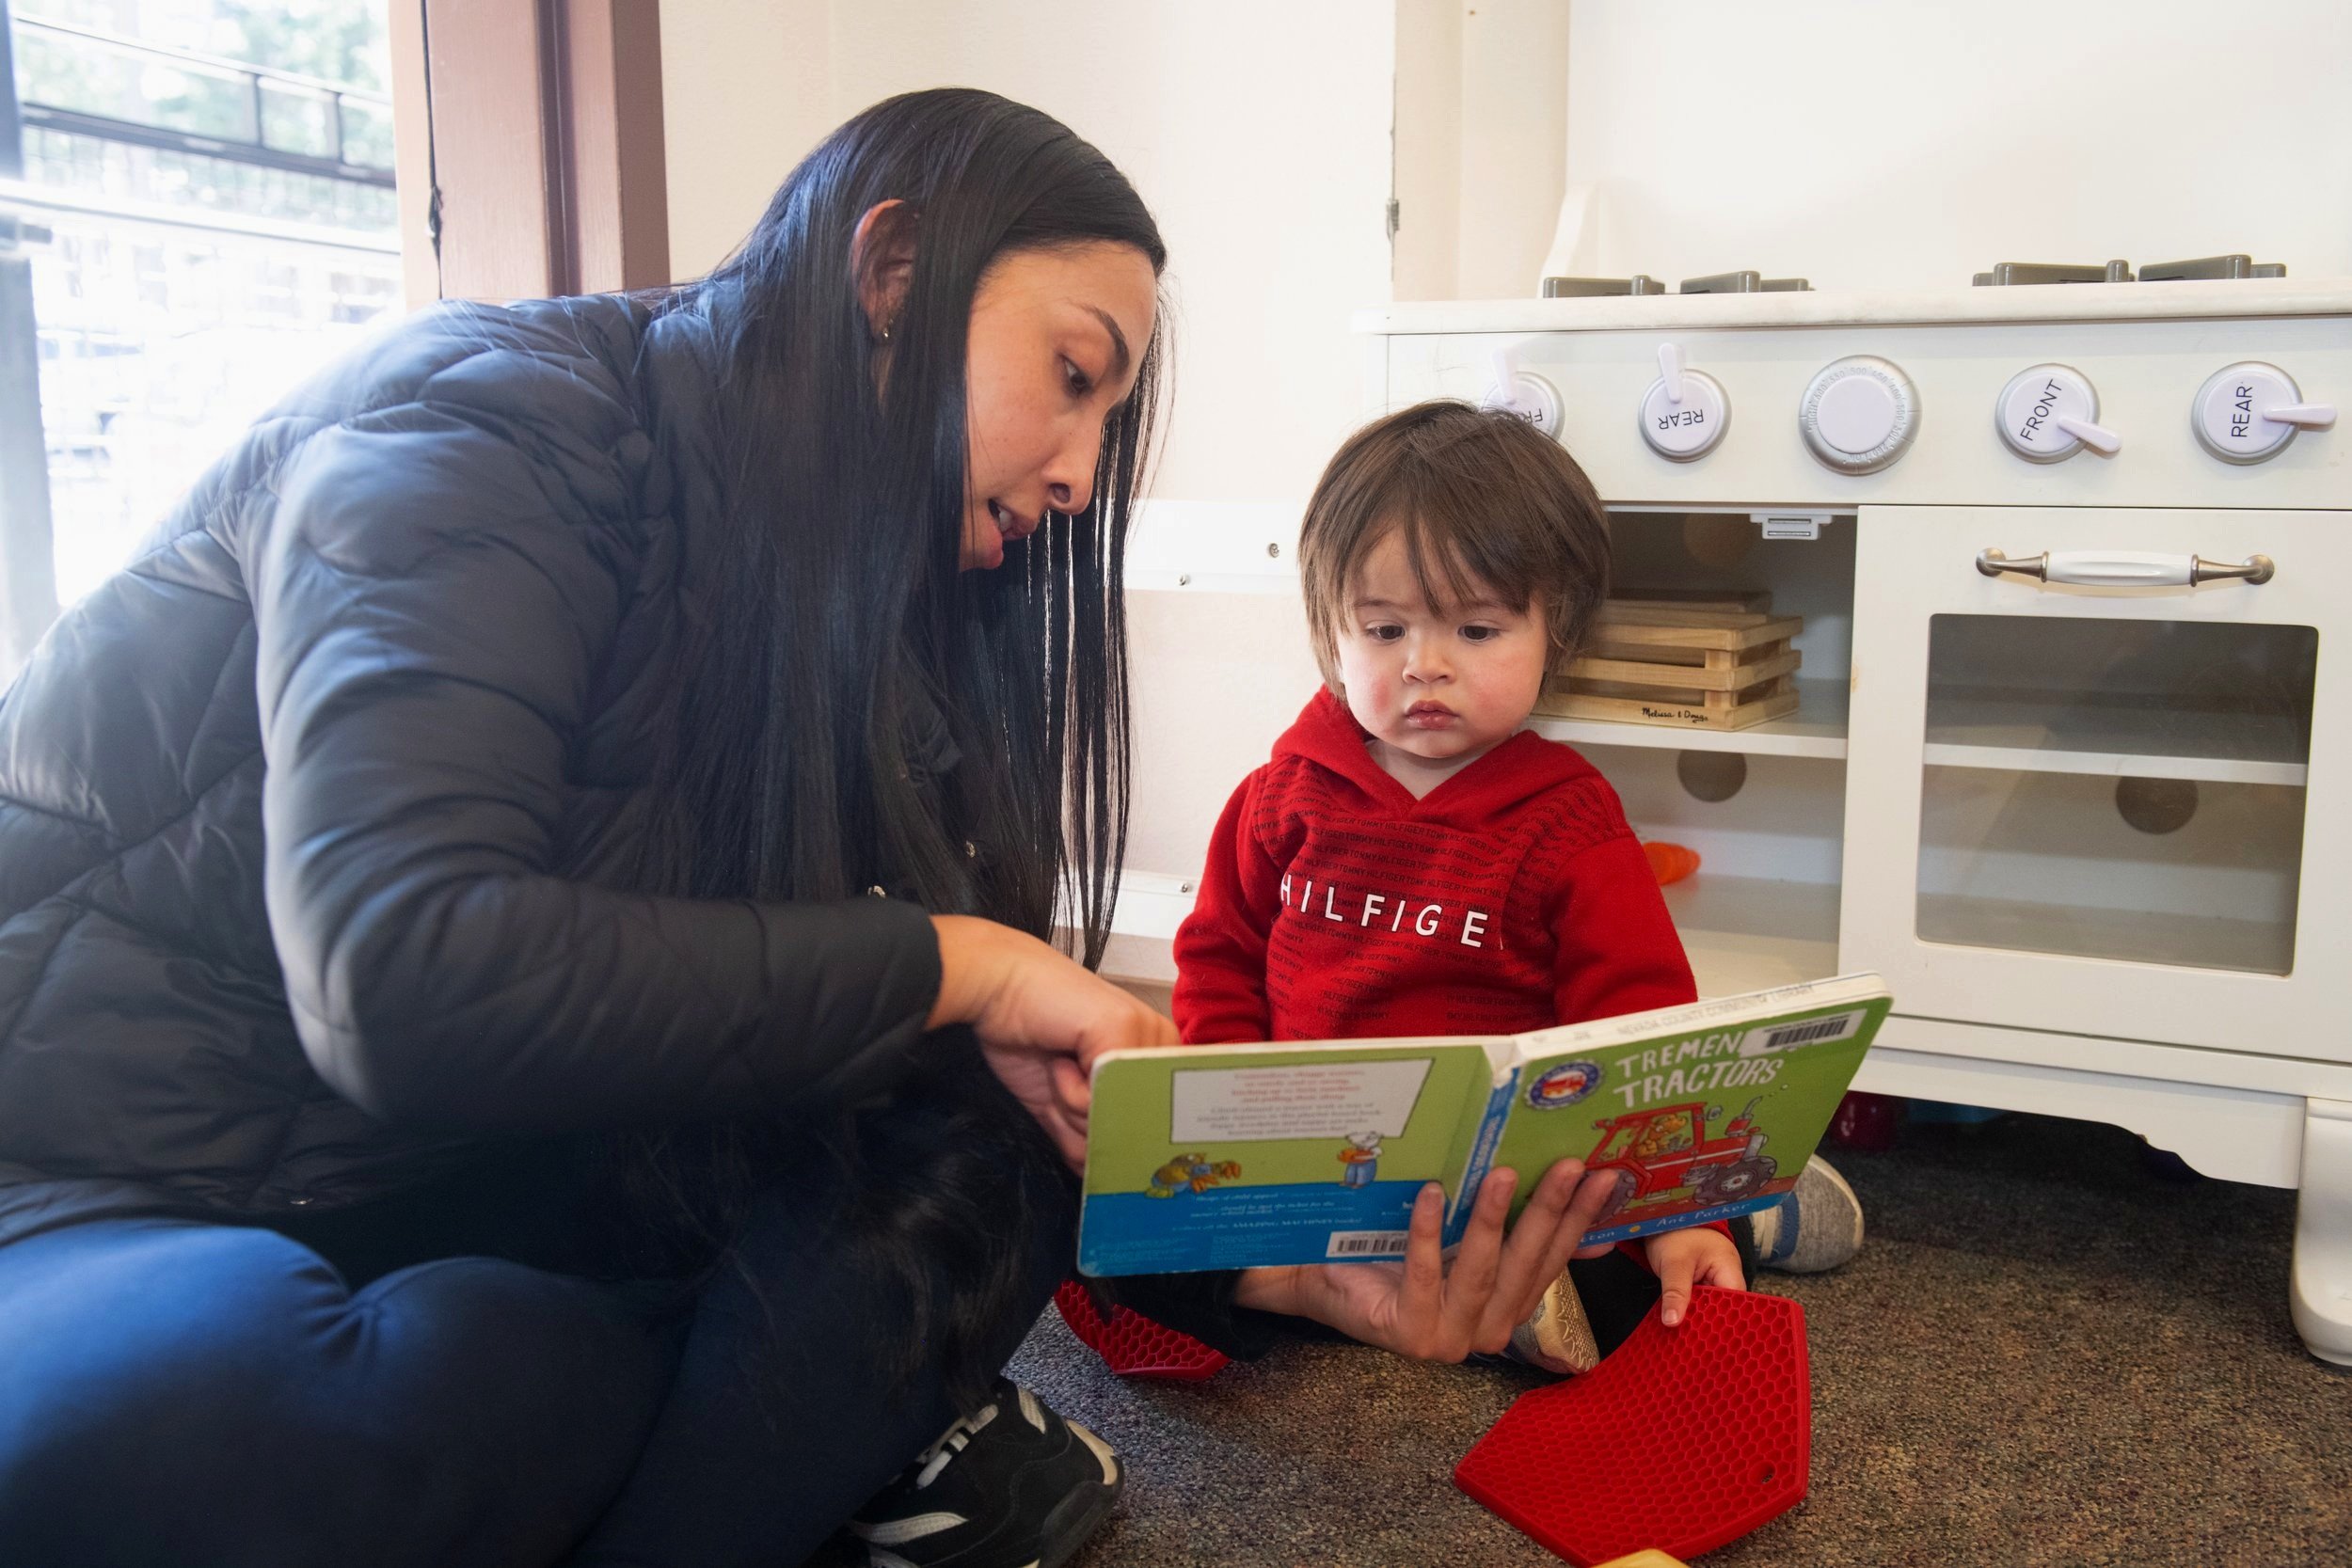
[1041, 1019]
[1427, 1309]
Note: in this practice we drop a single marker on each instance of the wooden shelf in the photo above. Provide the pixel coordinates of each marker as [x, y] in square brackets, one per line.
[1746, 933]
[1817, 729]
[2129, 936]
[2074, 737]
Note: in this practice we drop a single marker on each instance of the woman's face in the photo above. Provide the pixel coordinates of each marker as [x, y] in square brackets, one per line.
[1057, 338]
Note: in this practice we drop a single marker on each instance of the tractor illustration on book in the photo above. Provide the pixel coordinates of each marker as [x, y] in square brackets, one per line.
[1665, 1150]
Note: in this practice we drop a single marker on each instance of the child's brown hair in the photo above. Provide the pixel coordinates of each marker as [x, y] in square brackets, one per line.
[1481, 501]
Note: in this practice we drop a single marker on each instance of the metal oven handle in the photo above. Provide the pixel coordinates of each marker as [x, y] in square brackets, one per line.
[2126, 568]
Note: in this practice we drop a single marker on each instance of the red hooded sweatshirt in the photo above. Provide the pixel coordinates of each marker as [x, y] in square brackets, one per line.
[1335, 906]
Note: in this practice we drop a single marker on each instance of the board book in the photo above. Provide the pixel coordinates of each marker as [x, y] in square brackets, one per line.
[1241, 1156]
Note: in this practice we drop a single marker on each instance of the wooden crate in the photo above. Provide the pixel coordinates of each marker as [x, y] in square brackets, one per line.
[1722, 663]
[1755, 601]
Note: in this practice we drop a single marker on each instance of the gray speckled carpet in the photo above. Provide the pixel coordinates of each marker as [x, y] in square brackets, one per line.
[2046, 1355]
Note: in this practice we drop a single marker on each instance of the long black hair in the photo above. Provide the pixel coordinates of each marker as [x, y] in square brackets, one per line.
[840, 628]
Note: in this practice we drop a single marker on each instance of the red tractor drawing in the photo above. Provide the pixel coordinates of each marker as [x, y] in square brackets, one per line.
[1665, 1148]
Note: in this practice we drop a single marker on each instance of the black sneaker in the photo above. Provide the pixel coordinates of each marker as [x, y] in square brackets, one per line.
[1012, 1486]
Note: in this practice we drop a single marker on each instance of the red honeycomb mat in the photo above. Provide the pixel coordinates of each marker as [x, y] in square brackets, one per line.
[1681, 1440]
[1133, 1345]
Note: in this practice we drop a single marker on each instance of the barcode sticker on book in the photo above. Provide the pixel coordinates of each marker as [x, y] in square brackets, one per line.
[1366, 1243]
[1811, 1031]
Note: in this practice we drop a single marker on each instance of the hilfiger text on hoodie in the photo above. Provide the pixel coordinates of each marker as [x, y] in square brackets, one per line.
[1335, 905]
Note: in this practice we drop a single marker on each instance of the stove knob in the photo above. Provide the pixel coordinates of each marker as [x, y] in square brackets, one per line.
[1859, 414]
[2046, 415]
[1684, 412]
[1521, 394]
[2249, 412]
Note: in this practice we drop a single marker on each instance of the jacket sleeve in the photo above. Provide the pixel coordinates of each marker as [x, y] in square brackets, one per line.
[435, 586]
[1220, 949]
[1618, 950]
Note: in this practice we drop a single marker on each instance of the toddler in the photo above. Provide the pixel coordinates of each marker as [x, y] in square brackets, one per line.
[1411, 861]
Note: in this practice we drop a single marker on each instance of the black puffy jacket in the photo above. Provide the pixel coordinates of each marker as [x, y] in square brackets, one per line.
[280, 803]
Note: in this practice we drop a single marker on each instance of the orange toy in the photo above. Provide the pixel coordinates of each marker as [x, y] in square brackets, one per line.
[1671, 862]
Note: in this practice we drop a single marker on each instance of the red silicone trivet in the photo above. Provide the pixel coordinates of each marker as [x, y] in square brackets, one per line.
[1133, 1345]
[1681, 1440]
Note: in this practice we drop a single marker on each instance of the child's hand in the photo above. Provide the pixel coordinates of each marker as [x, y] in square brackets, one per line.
[1695, 1255]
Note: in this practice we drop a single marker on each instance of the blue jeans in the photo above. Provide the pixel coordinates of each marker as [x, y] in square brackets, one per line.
[182, 1392]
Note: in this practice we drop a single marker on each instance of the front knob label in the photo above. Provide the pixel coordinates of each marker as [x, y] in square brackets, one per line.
[2044, 405]
[2043, 413]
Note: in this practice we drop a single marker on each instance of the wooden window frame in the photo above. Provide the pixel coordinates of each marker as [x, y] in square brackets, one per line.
[530, 147]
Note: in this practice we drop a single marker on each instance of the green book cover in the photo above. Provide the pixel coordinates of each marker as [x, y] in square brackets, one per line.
[1241, 1156]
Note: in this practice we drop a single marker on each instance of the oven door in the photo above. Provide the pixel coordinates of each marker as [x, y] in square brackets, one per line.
[2109, 802]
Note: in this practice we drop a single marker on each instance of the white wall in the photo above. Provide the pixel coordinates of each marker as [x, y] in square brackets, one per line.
[746, 91]
[1258, 136]
[1428, 149]
[1867, 143]
[1480, 122]
[1513, 162]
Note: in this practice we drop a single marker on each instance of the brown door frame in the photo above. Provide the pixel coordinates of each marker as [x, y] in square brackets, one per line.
[530, 147]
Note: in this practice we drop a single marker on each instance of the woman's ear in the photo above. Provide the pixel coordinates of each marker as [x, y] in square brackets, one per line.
[881, 261]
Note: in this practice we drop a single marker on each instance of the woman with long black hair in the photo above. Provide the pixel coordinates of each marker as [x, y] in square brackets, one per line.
[526, 1027]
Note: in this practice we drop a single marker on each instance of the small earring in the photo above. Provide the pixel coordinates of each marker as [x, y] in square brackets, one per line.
[885, 334]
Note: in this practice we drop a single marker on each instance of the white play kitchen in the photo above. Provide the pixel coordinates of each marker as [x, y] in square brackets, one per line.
[2069, 760]
[2050, 723]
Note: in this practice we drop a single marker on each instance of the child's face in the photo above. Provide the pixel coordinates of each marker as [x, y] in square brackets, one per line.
[1443, 682]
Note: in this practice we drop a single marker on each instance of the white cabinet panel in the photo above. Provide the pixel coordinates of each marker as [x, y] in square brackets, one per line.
[2097, 810]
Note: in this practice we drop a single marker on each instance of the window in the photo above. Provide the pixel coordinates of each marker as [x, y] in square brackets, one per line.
[198, 208]
[203, 195]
